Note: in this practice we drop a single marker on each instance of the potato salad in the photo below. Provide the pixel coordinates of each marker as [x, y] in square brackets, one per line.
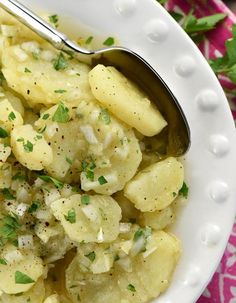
[85, 199]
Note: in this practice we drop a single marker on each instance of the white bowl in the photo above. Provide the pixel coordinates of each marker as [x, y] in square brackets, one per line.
[205, 222]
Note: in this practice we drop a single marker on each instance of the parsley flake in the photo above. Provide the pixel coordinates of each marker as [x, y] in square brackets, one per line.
[91, 256]
[60, 91]
[28, 146]
[18, 176]
[109, 41]
[85, 199]
[54, 19]
[71, 216]
[3, 133]
[184, 190]
[102, 180]
[131, 288]
[27, 70]
[68, 160]
[34, 206]
[7, 194]
[60, 62]
[104, 116]
[3, 261]
[89, 40]
[9, 226]
[61, 114]
[90, 175]
[21, 278]
[45, 116]
[11, 116]
[48, 179]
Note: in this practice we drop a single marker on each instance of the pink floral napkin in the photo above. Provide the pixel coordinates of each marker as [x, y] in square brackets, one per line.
[222, 288]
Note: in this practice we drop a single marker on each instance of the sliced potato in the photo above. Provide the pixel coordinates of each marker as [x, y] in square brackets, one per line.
[125, 100]
[23, 263]
[30, 70]
[88, 218]
[35, 294]
[30, 148]
[9, 117]
[155, 187]
[158, 219]
[144, 283]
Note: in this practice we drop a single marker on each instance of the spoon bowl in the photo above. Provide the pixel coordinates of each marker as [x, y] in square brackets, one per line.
[176, 136]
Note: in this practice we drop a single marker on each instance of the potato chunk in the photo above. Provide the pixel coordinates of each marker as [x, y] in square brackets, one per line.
[30, 148]
[19, 265]
[125, 100]
[155, 187]
[52, 299]
[44, 76]
[143, 283]
[88, 218]
[9, 117]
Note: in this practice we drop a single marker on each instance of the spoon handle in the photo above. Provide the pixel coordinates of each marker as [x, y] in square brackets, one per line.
[40, 27]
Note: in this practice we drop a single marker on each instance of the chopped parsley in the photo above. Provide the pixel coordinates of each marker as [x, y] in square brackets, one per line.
[11, 116]
[60, 62]
[45, 116]
[84, 165]
[142, 232]
[109, 41]
[184, 190]
[104, 116]
[61, 114]
[9, 226]
[90, 175]
[131, 288]
[89, 40]
[28, 146]
[60, 91]
[48, 179]
[19, 176]
[54, 19]
[71, 216]
[102, 180]
[85, 199]
[7, 194]
[21, 278]
[33, 207]
[68, 160]
[174, 194]
[3, 133]
[91, 256]
[27, 70]
[2, 78]
[35, 55]
[3, 261]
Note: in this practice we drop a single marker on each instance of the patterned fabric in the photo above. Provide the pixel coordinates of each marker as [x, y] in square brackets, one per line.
[222, 288]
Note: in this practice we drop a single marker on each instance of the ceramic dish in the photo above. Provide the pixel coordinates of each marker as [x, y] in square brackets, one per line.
[204, 224]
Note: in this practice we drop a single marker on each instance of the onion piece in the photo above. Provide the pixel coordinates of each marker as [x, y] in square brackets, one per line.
[25, 242]
[88, 133]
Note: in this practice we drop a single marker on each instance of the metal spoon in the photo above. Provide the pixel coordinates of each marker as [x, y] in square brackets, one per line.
[176, 136]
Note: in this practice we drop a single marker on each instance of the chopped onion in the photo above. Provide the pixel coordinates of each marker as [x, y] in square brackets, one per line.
[38, 182]
[14, 256]
[90, 212]
[138, 246]
[66, 191]
[22, 195]
[25, 242]
[88, 133]
[126, 246]
[51, 196]
[47, 55]
[43, 215]
[21, 209]
[31, 47]
[8, 30]
[20, 54]
[51, 130]
[125, 263]
[149, 252]
[124, 228]
[94, 114]
[100, 236]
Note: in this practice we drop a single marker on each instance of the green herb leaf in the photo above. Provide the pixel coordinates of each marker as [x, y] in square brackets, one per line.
[109, 41]
[33, 207]
[27, 70]
[3, 261]
[2, 78]
[85, 199]
[84, 165]
[21, 278]
[60, 91]
[28, 146]
[131, 288]
[89, 40]
[142, 232]
[61, 114]
[68, 160]
[102, 180]
[90, 175]
[91, 256]
[177, 16]
[104, 116]
[60, 62]
[7, 194]
[48, 179]
[3, 133]
[18, 176]
[9, 226]
[11, 116]
[54, 19]
[184, 190]
[71, 216]
[45, 116]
